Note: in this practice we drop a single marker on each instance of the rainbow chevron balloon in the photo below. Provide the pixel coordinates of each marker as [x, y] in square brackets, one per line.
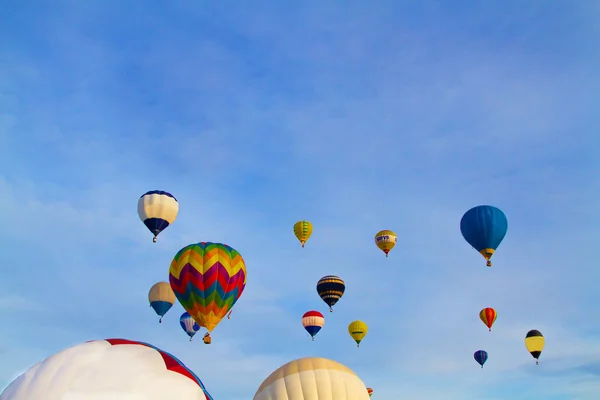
[207, 278]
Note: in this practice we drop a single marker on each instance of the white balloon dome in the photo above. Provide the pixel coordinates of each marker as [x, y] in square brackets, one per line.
[115, 369]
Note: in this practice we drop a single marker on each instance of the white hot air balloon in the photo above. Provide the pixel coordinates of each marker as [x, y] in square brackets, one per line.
[314, 379]
[115, 369]
[157, 210]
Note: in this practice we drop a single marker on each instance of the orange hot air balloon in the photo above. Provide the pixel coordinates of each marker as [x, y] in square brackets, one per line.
[488, 317]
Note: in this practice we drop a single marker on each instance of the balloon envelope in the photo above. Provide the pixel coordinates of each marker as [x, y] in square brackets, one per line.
[116, 369]
[208, 279]
[157, 209]
[481, 357]
[331, 289]
[303, 231]
[161, 298]
[386, 240]
[484, 228]
[314, 379]
[313, 321]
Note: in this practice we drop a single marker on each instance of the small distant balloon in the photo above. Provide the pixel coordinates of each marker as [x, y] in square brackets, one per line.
[370, 391]
[331, 289]
[484, 228]
[535, 342]
[488, 317]
[188, 325]
[481, 357]
[386, 240]
[161, 298]
[313, 321]
[358, 330]
[303, 230]
[157, 210]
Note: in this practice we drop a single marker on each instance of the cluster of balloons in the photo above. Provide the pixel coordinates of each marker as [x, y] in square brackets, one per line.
[331, 288]
[484, 228]
[206, 278]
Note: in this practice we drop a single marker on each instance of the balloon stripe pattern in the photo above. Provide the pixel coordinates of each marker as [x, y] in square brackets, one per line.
[157, 209]
[481, 357]
[172, 363]
[313, 321]
[208, 279]
[188, 325]
[488, 317]
[331, 289]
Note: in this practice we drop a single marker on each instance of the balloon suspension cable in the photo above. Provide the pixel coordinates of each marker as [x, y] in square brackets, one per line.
[229, 315]
[154, 239]
[386, 254]
[482, 367]
[191, 338]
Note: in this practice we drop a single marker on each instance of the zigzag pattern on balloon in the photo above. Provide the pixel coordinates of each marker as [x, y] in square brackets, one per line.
[213, 286]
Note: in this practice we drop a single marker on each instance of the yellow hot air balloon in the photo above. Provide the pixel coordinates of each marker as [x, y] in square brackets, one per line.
[358, 330]
[312, 378]
[161, 298]
[534, 341]
[303, 230]
[386, 240]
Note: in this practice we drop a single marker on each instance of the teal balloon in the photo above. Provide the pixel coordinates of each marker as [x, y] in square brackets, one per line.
[484, 228]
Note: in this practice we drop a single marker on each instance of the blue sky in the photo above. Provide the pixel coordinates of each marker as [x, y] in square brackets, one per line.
[357, 116]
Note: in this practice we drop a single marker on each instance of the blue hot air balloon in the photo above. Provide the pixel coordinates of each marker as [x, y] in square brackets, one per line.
[481, 357]
[157, 210]
[484, 227]
[189, 325]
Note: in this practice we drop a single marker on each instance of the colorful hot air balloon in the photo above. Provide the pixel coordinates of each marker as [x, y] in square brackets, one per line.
[534, 341]
[488, 317]
[358, 330]
[370, 391]
[314, 379]
[108, 369]
[484, 227]
[303, 230]
[157, 210]
[481, 357]
[386, 240]
[208, 279]
[313, 321]
[188, 325]
[161, 298]
[331, 288]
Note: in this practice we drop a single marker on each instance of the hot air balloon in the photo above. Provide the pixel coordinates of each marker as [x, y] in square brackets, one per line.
[188, 325]
[303, 230]
[358, 330]
[314, 379]
[370, 391]
[313, 321]
[386, 240]
[157, 210]
[488, 317]
[481, 357]
[331, 289]
[484, 227]
[161, 298]
[208, 279]
[534, 341]
[108, 369]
